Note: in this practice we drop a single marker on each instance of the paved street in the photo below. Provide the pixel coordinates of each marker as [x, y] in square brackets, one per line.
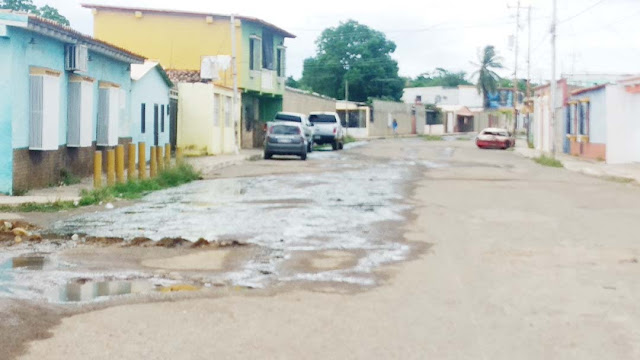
[392, 249]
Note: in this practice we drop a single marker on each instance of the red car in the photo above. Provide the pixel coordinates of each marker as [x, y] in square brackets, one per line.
[495, 138]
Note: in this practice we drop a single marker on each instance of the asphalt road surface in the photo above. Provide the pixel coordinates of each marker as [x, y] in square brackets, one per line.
[437, 250]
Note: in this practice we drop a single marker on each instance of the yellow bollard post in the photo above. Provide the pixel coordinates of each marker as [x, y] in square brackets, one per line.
[142, 161]
[131, 171]
[160, 154]
[111, 167]
[97, 169]
[167, 156]
[154, 162]
[120, 164]
[179, 157]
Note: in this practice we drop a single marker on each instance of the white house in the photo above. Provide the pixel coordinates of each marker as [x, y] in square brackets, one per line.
[150, 111]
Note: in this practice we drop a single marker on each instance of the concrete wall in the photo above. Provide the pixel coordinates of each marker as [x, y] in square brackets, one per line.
[299, 101]
[6, 148]
[383, 114]
[623, 127]
[198, 132]
[150, 90]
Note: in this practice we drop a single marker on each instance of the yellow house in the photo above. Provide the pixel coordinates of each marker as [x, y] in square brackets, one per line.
[182, 40]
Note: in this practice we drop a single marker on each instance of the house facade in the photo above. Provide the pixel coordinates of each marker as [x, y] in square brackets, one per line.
[62, 96]
[458, 105]
[601, 122]
[183, 40]
[150, 105]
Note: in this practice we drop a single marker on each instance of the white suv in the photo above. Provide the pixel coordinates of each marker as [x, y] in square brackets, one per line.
[328, 129]
[303, 121]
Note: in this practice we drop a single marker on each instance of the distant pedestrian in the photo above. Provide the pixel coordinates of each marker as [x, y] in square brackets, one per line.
[395, 127]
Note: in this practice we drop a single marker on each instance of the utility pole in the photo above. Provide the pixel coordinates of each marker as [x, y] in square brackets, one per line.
[552, 92]
[346, 107]
[234, 99]
[529, 71]
[515, 72]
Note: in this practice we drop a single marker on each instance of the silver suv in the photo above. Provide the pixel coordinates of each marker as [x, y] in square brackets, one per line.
[328, 129]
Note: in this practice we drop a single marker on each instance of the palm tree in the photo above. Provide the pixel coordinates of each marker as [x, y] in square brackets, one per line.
[487, 77]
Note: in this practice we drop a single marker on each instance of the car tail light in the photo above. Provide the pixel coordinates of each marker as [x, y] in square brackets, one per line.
[335, 129]
[299, 132]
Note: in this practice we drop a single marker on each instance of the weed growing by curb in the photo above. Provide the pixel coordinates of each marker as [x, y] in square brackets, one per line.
[135, 189]
[432, 138]
[548, 161]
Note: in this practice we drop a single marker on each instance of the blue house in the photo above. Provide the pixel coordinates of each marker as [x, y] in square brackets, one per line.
[150, 108]
[63, 95]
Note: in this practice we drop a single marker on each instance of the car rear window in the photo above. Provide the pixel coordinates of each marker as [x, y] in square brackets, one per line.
[284, 130]
[285, 117]
[322, 118]
[497, 133]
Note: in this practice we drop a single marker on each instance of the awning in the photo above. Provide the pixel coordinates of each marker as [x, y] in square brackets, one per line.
[464, 111]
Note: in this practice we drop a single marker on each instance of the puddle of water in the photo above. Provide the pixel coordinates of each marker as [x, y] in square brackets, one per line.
[332, 211]
[28, 262]
[89, 291]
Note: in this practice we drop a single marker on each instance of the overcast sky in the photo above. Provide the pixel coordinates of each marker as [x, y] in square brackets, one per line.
[596, 36]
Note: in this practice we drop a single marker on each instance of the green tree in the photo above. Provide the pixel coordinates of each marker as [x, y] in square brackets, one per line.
[439, 77]
[19, 5]
[291, 82]
[52, 13]
[508, 83]
[46, 11]
[488, 79]
[358, 54]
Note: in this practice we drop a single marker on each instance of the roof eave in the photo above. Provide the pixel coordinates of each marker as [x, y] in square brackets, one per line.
[94, 45]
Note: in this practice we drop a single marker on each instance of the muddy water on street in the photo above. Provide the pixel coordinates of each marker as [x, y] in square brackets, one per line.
[334, 227]
[282, 216]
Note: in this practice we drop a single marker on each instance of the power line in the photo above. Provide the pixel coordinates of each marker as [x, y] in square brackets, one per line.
[581, 12]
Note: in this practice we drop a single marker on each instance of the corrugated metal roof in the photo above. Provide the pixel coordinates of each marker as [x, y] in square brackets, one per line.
[189, 13]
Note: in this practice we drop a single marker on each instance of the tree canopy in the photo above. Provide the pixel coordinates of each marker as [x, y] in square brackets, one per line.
[358, 54]
[439, 77]
[46, 11]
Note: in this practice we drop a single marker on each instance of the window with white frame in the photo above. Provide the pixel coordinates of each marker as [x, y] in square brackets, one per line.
[44, 109]
[281, 61]
[80, 112]
[255, 53]
[227, 111]
[108, 114]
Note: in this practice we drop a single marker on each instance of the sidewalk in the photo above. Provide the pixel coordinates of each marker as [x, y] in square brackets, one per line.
[205, 164]
[629, 172]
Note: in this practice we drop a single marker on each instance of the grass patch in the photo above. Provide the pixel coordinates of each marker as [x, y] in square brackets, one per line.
[36, 207]
[432, 137]
[135, 189]
[67, 178]
[547, 161]
[619, 179]
[349, 139]
[463, 138]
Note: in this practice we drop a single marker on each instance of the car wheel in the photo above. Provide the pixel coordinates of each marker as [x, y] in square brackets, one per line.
[267, 155]
[334, 145]
[303, 156]
[340, 146]
[310, 147]
[507, 145]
